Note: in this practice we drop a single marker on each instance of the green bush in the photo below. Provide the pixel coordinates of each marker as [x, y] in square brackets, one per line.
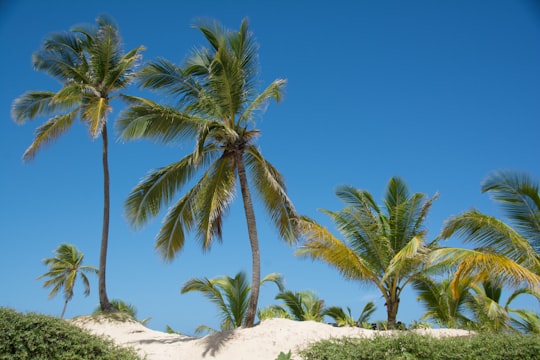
[40, 337]
[485, 346]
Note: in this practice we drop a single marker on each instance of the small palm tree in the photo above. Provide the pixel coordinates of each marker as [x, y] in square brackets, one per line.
[343, 318]
[231, 295]
[64, 269]
[90, 64]
[303, 305]
[124, 308]
[216, 103]
[384, 249]
[443, 306]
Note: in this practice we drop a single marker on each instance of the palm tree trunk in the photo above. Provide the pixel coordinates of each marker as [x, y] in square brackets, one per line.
[391, 311]
[103, 299]
[253, 240]
[64, 309]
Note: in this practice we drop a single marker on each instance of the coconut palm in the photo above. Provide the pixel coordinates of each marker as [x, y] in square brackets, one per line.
[509, 252]
[231, 295]
[64, 269]
[303, 305]
[92, 68]
[216, 106]
[384, 249]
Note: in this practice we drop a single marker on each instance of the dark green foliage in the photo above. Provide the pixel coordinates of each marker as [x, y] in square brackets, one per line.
[40, 337]
[486, 346]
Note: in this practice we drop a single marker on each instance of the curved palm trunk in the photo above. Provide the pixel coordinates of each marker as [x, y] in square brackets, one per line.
[103, 299]
[64, 309]
[253, 240]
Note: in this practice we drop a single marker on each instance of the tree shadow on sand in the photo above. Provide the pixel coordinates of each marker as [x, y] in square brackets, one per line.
[215, 342]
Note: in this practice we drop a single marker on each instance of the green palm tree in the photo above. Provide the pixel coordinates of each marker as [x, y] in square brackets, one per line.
[216, 104]
[64, 269]
[509, 252]
[303, 305]
[231, 295]
[343, 318]
[91, 66]
[442, 306]
[384, 249]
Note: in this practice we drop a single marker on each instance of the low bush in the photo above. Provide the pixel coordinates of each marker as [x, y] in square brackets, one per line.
[485, 346]
[36, 336]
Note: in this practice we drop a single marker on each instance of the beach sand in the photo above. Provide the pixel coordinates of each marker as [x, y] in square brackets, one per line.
[262, 342]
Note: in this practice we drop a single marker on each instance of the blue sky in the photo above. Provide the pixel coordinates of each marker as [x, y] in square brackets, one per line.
[440, 93]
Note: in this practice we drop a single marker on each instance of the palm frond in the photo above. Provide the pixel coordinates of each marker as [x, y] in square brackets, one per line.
[32, 104]
[273, 91]
[217, 190]
[519, 196]
[271, 189]
[49, 132]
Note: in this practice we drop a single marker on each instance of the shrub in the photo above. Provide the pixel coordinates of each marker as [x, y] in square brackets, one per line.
[36, 336]
[492, 346]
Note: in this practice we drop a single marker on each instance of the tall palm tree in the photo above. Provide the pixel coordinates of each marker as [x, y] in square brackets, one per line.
[504, 251]
[90, 64]
[231, 295]
[216, 104]
[64, 269]
[384, 249]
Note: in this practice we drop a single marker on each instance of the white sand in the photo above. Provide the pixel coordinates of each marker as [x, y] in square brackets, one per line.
[262, 342]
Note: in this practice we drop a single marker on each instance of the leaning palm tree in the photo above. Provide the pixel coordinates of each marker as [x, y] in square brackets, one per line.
[384, 249]
[92, 68]
[231, 295]
[64, 269]
[504, 251]
[216, 104]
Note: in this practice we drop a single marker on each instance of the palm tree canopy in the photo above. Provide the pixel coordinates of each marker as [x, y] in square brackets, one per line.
[91, 66]
[64, 269]
[378, 246]
[509, 251]
[215, 103]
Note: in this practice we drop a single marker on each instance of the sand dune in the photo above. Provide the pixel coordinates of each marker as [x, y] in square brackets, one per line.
[263, 342]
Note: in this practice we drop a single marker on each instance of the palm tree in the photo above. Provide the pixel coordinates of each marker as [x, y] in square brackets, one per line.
[303, 305]
[91, 66]
[216, 104]
[384, 249]
[231, 295]
[442, 305]
[343, 318]
[506, 252]
[64, 269]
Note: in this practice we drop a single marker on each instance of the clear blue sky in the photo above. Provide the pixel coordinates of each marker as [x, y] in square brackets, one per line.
[440, 93]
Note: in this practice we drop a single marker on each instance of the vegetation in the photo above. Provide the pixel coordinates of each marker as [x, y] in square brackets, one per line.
[64, 269]
[123, 307]
[231, 295]
[343, 318]
[384, 249]
[217, 104]
[302, 305]
[486, 345]
[90, 64]
[35, 336]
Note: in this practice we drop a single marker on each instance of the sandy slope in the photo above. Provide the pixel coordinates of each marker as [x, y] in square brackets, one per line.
[262, 342]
